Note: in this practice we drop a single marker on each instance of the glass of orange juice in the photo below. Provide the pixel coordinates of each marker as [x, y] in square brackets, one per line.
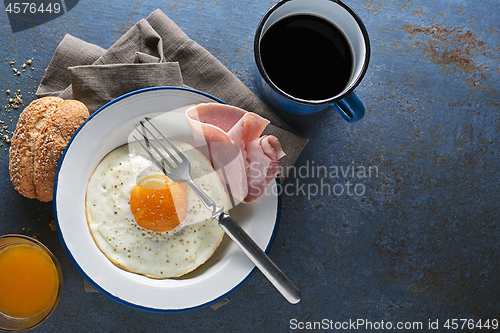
[30, 283]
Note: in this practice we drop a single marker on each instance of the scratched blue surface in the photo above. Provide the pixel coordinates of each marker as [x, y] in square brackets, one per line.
[420, 243]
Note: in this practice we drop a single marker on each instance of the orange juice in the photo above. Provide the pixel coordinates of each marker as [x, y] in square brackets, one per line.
[29, 281]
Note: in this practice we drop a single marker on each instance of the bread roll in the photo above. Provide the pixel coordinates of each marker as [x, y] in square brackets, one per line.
[44, 128]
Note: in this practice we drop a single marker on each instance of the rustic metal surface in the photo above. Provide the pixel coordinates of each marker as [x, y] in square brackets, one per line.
[420, 243]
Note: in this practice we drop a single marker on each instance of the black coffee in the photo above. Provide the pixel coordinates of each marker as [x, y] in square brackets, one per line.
[307, 57]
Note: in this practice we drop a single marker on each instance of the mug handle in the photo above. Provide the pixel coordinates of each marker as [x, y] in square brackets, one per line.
[350, 108]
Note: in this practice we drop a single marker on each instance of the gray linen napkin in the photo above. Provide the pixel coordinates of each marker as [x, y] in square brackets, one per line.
[154, 52]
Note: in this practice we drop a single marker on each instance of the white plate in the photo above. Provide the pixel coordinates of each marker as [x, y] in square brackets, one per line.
[107, 129]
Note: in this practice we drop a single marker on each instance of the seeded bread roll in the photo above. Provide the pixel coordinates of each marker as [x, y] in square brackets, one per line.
[22, 148]
[44, 128]
[52, 141]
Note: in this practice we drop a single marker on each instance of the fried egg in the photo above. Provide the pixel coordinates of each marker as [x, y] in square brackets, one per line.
[148, 224]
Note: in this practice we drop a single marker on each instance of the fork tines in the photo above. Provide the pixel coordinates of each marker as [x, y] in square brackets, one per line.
[147, 135]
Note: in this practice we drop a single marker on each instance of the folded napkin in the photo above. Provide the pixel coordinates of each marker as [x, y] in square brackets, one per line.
[154, 52]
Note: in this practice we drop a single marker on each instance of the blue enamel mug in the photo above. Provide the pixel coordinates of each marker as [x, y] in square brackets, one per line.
[344, 101]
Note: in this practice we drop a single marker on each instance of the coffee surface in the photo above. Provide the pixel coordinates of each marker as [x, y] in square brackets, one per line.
[307, 57]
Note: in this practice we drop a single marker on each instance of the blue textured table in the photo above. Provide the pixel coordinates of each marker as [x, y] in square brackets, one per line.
[414, 239]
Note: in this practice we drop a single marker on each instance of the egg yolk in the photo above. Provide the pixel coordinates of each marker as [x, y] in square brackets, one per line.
[159, 203]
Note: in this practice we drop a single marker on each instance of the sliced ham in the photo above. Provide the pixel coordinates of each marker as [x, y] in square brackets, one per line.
[245, 161]
[264, 166]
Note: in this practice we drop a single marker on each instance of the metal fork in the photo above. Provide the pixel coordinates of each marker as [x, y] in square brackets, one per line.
[180, 170]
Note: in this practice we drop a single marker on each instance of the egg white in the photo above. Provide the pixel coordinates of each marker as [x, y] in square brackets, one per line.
[139, 250]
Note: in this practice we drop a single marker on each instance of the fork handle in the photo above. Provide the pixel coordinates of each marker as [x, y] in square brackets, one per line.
[259, 258]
